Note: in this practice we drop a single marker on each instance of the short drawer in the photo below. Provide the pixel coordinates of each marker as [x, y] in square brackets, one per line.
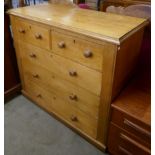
[87, 53]
[75, 96]
[131, 125]
[58, 106]
[38, 35]
[121, 142]
[73, 72]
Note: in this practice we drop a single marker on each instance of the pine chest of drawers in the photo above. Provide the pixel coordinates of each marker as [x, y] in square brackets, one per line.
[73, 62]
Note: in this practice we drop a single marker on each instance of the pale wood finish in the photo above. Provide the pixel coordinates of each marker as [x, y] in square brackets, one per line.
[62, 67]
[67, 123]
[37, 35]
[91, 23]
[67, 111]
[85, 100]
[75, 48]
[57, 67]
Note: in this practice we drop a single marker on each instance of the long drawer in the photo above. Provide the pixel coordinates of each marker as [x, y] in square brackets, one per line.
[121, 142]
[52, 103]
[33, 33]
[76, 96]
[131, 125]
[85, 52]
[73, 72]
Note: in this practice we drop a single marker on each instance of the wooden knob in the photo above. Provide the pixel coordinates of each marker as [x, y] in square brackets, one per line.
[38, 36]
[61, 44]
[21, 30]
[36, 76]
[72, 73]
[74, 118]
[73, 97]
[39, 95]
[87, 53]
[32, 55]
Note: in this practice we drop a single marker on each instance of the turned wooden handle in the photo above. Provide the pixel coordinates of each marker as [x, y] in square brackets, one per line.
[38, 36]
[35, 75]
[87, 53]
[72, 73]
[32, 55]
[61, 44]
[74, 118]
[21, 30]
[73, 97]
[137, 128]
[39, 95]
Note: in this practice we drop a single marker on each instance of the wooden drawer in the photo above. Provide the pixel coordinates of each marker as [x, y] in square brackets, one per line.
[87, 53]
[38, 35]
[76, 96]
[131, 125]
[73, 72]
[53, 103]
[121, 142]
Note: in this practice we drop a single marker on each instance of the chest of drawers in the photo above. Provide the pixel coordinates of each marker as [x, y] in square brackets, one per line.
[130, 123]
[73, 62]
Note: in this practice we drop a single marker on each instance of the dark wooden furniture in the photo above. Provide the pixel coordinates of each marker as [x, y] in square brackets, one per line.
[11, 77]
[105, 3]
[130, 124]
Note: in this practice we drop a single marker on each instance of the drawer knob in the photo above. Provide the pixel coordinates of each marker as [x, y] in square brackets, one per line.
[61, 44]
[72, 73]
[38, 36]
[74, 118]
[87, 53]
[36, 76]
[39, 95]
[21, 30]
[32, 55]
[73, 97]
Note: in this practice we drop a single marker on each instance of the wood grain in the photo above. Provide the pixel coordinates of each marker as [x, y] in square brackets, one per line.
[35, 34]
[91, 23]
[53, 63]
[75, 48]
[85, 101]
[75, 87]
[56, 104]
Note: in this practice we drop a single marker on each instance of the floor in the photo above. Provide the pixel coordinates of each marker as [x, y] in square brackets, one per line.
[31, 131]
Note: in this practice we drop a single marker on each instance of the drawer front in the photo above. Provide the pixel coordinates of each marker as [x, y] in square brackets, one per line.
[76, 96]
[33, 33]
[73, 72]
[131, 125]
[58, 106]
[87, 53]
[123, 143]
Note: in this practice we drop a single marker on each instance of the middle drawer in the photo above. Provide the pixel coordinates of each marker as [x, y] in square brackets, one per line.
[75, 73]
[75, 96]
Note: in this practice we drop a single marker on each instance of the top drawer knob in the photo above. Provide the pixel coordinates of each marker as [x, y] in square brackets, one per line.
[38, 36]
[61, 44]
[21, 30]
[87, 53]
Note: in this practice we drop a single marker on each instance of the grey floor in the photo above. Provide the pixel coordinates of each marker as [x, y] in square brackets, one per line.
[31, 131]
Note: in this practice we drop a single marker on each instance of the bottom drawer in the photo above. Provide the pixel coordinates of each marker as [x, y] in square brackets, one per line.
[121, 142]
[52, 103]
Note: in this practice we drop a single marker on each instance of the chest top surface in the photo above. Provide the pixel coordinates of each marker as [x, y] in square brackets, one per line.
[100, 25]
